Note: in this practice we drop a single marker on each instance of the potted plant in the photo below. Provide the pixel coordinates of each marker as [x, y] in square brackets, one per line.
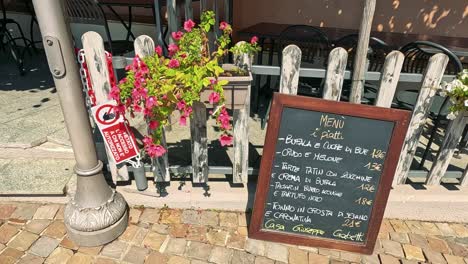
[457, 91]
[158, 85]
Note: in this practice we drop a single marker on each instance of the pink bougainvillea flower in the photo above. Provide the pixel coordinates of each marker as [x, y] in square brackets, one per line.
[139, 92]
[177, 35]
[147, 112]
[137, 108]
[225, 125]
[155, 150]
[183, 120]
[158, 50]
[213, 98]
[223, 119]
[223, 25]
[172, 48]
[147, 141]
[188, 25]
[124, 80]
[153, 124]
[136, 62]
[226, 140]
[173, 63]
[160, 150]
[143, 70]
[115, 93]
[181, 105]
[150, 102]
[254, 40]
[119, 109]
[213, 81]
[188, 110]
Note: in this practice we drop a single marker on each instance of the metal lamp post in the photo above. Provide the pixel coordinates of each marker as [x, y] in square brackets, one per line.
[97, 214]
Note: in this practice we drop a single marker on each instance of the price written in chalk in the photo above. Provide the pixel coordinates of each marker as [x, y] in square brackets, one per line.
[321, 173]
[318, 166]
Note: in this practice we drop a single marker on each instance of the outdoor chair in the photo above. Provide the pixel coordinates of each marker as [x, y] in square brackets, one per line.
[315, 47]
[417, 55]
[378, 50]
[376, 54]
[90, 12]
[8, 40]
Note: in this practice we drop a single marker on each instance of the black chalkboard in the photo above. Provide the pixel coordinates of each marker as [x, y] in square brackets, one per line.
[325, 170]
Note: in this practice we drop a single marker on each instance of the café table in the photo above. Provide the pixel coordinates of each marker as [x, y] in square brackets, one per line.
[155, 5]
[395, 39]
[270, 33]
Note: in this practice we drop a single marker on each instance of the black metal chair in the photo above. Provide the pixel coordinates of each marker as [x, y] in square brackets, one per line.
[90, 12]
[7, 40]
[315, 47]
[417, 55]
[378, 51]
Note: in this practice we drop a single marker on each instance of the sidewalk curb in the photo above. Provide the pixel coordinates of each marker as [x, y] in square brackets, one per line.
[431, 204]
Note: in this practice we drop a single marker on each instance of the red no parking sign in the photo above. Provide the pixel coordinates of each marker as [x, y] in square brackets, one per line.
[117, 136]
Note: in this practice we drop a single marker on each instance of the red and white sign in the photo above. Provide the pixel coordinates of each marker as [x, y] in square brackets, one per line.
[117, 136]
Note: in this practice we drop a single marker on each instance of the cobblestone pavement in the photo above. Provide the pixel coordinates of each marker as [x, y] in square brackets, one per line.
[35, 233]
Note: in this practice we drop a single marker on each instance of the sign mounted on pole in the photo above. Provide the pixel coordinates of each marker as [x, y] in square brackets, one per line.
[115, 132]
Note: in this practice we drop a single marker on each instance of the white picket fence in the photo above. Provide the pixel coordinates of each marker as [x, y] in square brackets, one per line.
[144, 46]
[289, 82]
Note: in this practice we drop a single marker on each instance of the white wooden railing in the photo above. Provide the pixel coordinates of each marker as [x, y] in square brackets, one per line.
[289, 80]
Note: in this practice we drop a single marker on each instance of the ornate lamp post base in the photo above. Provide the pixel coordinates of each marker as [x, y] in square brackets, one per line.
[98, 237]
[97, 214]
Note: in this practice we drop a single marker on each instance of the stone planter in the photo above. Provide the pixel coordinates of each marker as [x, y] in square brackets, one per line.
[235, 91]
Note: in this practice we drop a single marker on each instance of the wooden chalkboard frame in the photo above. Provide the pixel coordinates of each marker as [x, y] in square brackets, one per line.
[401, 120]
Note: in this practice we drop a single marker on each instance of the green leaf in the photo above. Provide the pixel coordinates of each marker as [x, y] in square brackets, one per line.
[206, 82]
[223, 82]
[218, 70]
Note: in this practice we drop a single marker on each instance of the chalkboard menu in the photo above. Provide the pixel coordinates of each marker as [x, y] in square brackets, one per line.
[326, 172]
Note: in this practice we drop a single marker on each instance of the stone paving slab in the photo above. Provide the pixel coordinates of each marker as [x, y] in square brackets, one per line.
[148, 239]
[36, 176]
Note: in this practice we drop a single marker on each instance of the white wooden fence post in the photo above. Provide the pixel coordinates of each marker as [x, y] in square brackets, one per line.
[335, 74]
[464, 177]
[389, 78]
[432, 77]
[144, 47]
[241, 127]
[289, 80]
[199, 143]
[96, 60]
[451, 139]
[359, 68]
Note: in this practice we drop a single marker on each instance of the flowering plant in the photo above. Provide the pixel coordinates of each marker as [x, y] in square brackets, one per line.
[247, 48]
[457, 90]
[157, 85]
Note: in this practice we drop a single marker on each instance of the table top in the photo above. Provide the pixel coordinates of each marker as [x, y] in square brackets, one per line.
[136, 2]
[396, 40]
[129, 2]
